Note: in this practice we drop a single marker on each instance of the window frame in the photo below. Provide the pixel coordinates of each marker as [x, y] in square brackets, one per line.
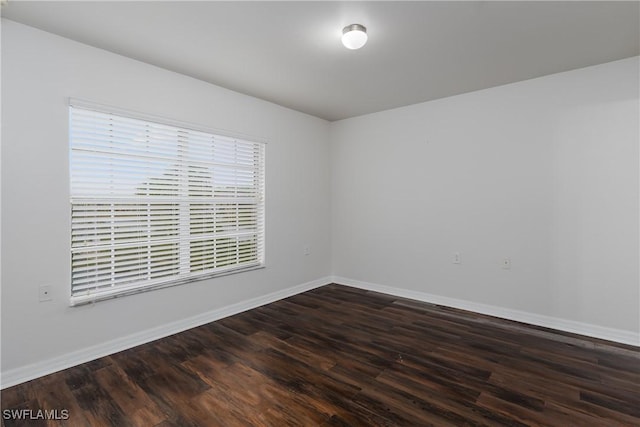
[185, 201]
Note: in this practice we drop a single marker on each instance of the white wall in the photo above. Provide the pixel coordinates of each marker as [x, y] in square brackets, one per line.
[39, 72]
[543, 171]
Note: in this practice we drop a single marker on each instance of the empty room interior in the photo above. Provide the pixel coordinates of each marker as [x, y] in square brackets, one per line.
[370, 213]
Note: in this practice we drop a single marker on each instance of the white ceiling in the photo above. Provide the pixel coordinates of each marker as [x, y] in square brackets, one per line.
[290, 52]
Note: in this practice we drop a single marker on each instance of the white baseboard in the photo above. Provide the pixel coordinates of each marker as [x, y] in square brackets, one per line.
[32, 371]
[595, 331]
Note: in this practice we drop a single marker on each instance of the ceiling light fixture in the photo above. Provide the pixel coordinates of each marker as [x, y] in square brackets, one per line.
[354, 36]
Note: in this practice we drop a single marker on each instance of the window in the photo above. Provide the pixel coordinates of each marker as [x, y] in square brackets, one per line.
[155, 204]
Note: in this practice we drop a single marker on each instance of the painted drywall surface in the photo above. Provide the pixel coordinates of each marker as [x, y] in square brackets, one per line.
[39, 72]
[544, 172]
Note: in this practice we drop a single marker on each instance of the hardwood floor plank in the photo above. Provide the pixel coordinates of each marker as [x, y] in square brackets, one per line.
[311, 358]
[131, 399]
[626, 405]
[97, 406]
[513, 410]
[53, 394]
[340, 356]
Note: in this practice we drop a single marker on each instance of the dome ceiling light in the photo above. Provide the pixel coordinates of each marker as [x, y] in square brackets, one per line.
[354, 36]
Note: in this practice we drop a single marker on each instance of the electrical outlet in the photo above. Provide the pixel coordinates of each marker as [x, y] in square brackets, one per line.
[457, 259]
[307, 250]
[44, 293]
[506, 263]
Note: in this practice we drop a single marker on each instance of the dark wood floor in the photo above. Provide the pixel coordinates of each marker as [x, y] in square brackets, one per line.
[338, 356]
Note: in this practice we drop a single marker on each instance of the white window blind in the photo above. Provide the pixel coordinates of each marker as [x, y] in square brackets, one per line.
[155, 204]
